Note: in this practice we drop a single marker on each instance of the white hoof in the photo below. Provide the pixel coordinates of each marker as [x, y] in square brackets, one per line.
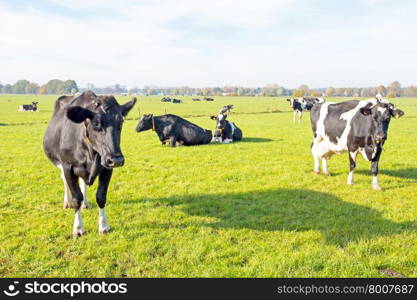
[376, 187]
[103, 225]
[78, 232]
[350, 182]
[85, 205]
[104, 229]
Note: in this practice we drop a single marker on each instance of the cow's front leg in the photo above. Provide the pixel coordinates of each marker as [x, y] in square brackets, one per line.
[83, 187]
[375, 160]
[76, 200]
[101, 196]
[172, 141]
[300, 115]
[324, 166]
[352, 166]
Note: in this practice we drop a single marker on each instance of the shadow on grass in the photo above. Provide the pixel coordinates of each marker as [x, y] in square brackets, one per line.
[255, 140]
[410, 173]
[292, 210]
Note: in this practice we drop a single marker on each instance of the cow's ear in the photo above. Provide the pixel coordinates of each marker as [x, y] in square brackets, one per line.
[125, 108]
[213, 117]
[78, 114]
[398, 113]
[366, 111]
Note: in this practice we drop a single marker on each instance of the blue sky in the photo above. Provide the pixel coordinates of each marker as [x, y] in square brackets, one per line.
[216, 43]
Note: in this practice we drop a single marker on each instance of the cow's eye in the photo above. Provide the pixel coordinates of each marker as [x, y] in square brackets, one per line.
[96, 124]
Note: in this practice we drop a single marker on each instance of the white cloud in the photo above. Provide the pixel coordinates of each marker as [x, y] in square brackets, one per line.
[198, 43]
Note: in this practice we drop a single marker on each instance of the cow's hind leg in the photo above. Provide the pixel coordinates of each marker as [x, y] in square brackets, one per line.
[314, 147]
[300, 115]
[101, 196]
[83, 187]
[66, 189]
[352, 166]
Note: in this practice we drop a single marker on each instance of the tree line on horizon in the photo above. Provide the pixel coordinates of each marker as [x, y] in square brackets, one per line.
[70, 87]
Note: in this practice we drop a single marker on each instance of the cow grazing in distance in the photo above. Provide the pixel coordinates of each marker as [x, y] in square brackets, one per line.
[83, 140]
[226, 131]
[196, 99]
[353, 126]
[166, 99]
[174, 129]
[29, 107]
[176, 101]
[208, 99]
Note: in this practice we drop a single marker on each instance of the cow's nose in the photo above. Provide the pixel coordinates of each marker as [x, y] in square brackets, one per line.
[115, 161]
[380, 138]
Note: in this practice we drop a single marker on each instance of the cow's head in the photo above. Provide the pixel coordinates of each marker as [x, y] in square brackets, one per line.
[380, 115]
[145, 123]
[103, 119]
[34, 103]
[220, 121]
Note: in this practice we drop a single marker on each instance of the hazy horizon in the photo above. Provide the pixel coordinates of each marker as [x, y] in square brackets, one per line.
[248, 43]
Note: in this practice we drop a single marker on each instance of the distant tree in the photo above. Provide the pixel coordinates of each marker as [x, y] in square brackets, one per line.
[42, 90]
[304, 89]
[1, 87]
[315, 94]
[298, 93]
[32, 88]
[54, 86]
[330, 92]
[7, 89]
[410, 91]
[394, 89]
[19, 87]
[68, 87]
[380, 89]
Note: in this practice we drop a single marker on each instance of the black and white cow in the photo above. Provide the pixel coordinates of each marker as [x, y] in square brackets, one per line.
[305, 103]
[208, 99]
[196, 99]
[176, 101]
[226, 131]
[174, 129]
[353, 126]
[29, 107]
[166, 99]
[83, 140]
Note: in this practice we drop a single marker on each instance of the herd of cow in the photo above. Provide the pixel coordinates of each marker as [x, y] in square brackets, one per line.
[83, 139]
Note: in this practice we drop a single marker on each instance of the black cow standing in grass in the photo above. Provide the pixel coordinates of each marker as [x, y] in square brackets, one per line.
[353, 126]
[226, 131]
[83, 140]
[29, 107]
[174, 129]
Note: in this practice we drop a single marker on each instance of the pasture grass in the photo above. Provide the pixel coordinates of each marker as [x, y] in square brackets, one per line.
[248, 209]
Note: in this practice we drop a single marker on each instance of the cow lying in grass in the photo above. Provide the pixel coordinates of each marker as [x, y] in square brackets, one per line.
[226, 131]
[174, 129]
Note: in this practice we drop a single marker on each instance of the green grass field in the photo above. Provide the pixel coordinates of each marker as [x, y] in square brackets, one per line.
[248, 209]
